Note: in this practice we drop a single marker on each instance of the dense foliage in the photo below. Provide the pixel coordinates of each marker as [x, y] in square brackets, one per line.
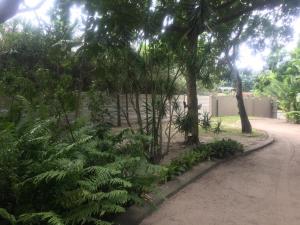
[282, 80]
[293, 116]
[61, 163]
[215, 150]
[48, 178]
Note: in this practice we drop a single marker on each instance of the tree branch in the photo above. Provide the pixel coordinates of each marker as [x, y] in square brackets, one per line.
[224, 5]
[9, 8]
[256, 5]
[27, 8]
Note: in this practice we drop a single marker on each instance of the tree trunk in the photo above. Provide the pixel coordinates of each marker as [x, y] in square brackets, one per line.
[246, 125]
[119, 124]
[126, 113]
[191, 81]
[155, 151]
[78, 96]
[138, 112]
[147, 115]
[169, 125]
[78, 104]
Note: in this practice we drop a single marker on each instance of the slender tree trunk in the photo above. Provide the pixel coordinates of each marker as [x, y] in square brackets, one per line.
[119, 124]
[169, 125]
[138, 111]
[246, 125]
[147, 114]
[78, 104]
[67, 120]
[155, 121]
[79, 96]
[126, 113]
[191, 81]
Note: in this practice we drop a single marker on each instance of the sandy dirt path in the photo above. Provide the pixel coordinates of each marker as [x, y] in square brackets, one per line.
[262, 188]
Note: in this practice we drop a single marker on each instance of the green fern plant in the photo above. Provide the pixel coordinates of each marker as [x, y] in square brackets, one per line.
[7, 216]
[59, 182]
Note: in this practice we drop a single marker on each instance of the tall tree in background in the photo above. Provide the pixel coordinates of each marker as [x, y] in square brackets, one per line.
[192, 18]
[120, 23]
[229, 37]
[231, 62]
[256, 30]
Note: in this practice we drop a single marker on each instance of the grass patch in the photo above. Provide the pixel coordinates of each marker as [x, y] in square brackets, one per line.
[227, 119]
[230, 126]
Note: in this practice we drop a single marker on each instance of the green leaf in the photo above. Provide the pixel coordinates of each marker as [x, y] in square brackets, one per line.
[50, 217]
[7, 216]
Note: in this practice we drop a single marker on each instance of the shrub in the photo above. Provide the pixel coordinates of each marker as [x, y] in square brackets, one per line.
[184, 123]
[217, 129]
[47, 180]
[205, 122]
[224, 148]
[293, 117]
[216, 150]
[183, 163]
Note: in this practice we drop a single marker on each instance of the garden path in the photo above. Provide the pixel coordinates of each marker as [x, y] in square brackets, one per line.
[259, 189]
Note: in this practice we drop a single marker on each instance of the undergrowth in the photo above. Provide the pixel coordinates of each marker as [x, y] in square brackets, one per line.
[48, 179]
[216, 150]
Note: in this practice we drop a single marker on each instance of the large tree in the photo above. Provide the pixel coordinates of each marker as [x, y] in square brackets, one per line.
[121, 23]
[257, 30]
[192, 18]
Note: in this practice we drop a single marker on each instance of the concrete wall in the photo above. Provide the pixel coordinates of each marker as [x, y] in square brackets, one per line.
[255, 106]
[215, 105]
[111, 106]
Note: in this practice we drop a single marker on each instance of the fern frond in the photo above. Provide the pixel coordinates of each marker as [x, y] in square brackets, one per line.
[40, 127]
[7, 216]
[94, 183]
[79, 197]
[72, 146]
[100, 222]
[83, 213]
[72, 166]
[124, 162]
[95, 154]
[120, 182]
[117, 196]
[58, 175]
[50, 217]
[66, 167]
[101, 171]
[113, 208]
